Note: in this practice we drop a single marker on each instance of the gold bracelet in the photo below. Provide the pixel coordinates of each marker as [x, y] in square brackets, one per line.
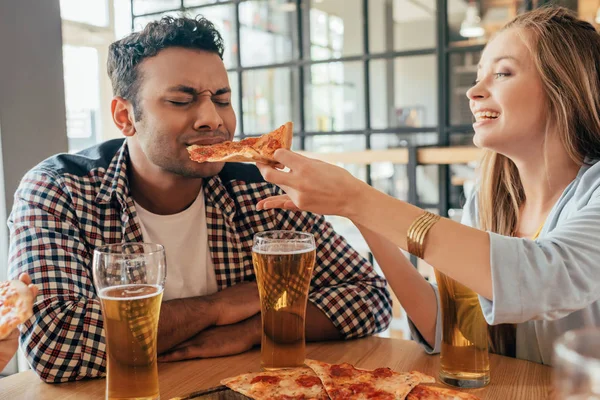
[415, 237]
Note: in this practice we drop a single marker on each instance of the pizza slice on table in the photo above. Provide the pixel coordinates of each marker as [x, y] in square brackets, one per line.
[259, 149]
[16, 306]
[424, 392]
[344, 381]
[287, 384]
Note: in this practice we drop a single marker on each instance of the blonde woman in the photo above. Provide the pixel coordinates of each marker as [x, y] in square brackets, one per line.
[528, 244]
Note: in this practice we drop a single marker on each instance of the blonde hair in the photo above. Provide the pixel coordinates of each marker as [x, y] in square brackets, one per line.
[566, 52]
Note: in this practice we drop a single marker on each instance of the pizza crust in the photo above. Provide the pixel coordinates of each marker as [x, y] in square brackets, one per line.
[16, 306]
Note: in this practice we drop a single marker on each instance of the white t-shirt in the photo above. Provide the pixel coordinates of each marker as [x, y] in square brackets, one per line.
[190, 270]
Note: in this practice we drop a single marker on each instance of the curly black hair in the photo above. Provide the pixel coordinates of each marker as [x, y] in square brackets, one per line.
[126, 54]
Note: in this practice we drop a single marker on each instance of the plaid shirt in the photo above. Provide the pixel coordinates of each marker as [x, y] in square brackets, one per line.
[72, 203]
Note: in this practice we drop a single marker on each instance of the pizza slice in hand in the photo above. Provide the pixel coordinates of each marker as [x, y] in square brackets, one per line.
[16, 306]
[260, 149]
[286, 384]
[344, 381]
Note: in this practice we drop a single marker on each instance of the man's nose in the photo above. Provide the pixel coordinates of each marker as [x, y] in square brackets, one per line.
[207, 116]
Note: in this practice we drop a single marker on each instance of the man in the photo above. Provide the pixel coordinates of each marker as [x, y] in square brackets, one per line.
[171, 90]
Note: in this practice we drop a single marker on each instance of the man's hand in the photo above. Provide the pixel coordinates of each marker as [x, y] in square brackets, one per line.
[218, 341]
[236, 303]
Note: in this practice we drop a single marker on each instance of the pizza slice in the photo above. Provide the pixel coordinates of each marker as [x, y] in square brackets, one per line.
[423, 392]
[344, 381]
[286, 384]
[259, 149]
[16, 306]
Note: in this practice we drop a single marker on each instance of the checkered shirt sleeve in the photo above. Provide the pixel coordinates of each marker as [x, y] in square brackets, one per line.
[64, 340]
[344, 285]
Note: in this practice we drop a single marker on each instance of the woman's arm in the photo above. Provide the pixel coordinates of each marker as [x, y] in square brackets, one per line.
[415, 294]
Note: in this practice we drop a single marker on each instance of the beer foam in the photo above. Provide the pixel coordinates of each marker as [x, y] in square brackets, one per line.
[282, 248]
[131, 291]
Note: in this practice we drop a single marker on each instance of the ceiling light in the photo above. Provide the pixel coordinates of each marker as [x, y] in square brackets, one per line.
[471, 25]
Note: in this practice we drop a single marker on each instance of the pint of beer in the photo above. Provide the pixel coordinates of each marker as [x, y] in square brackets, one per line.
[283, 262]
[464, 358]
[130, 280]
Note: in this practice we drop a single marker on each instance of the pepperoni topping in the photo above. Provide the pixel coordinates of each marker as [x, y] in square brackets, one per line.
[308, 381]
[362, 387]
[339, 395]
[382, 373]
[341, 370]
[418, 392]
[267, 379]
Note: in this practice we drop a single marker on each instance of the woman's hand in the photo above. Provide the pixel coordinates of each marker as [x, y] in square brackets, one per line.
[312, 185]
[10, 344]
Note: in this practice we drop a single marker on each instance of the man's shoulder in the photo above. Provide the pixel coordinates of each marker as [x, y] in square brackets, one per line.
[80, 163]
[247, 173]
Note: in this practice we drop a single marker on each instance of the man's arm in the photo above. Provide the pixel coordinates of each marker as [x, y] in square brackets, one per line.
[182, 319]
[64, 340]
[236, 338]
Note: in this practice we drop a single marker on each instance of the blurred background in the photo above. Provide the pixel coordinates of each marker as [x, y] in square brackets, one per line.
[376, 86]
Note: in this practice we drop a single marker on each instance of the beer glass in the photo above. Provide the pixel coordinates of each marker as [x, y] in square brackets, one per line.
[576, 363]
[129, 279]
[464, 358]
[283, 263]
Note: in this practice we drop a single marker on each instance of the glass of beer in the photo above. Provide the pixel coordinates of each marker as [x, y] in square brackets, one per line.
[576, 361]
[283, 262]
[129, 279]
[464, 358]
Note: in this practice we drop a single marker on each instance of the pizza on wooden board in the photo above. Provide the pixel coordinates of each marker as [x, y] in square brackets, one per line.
[344, 381]
[255, 149]
[16, 306]
[287, 384]
[340, 381]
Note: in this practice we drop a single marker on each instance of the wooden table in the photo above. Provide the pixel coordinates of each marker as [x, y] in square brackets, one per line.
[511, 379]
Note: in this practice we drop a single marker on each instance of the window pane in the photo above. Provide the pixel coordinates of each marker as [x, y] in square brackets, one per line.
[475, 22]
[192, 3]
[150, 6]
[334, 97]
[82, 96]
[223, 17]
[268, 32]
[404, 92]
[427, 184]
[401, 25]
[122, 18]
[335, 143]
[335, 29]
[233, 83]
[463, 72]
[269, 98]
[390, 178]
[140, 23]
[94, 12]
[383, 141]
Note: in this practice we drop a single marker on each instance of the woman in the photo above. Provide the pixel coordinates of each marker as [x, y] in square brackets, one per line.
[535, 257]
[9, 345]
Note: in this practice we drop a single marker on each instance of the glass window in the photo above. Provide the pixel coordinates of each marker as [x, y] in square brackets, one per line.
[268, 98]
[383, 141]
[82, 96]
[401, 25]
[475, 21]
[335, 29]
[268, 32]
[151, 6]
[404, 92]
[463, 72]
[428, 184]
[122, 18]
[140, 23]
[223, 17]
[94, 12]
[390, 178]
[235, 90]
[334, 97]
[193, 3]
